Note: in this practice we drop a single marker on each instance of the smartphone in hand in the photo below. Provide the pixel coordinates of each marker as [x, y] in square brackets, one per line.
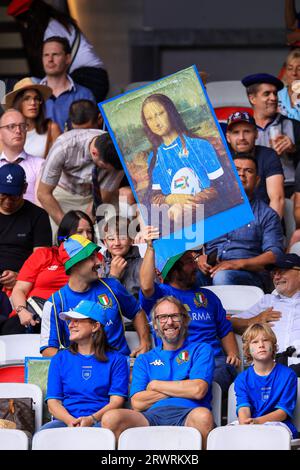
[212, 258]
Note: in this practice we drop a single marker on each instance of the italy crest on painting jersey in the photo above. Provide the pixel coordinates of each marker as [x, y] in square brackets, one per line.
[183, 356]
[200, 300]
[105, 301]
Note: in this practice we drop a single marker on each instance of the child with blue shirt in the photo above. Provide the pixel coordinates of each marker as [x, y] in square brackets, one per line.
[266, 392]
[87, 379]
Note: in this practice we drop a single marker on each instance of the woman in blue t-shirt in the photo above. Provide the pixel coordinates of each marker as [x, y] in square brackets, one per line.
[181, 165]
[266, 392]
[87, 379]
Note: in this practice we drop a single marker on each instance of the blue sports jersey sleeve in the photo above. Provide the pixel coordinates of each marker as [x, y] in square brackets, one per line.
[223, 325]
[242, 398]
[140, 376]
[288, 398]
[54, 385]
[120, 376]
[203, 364]
[128, 303]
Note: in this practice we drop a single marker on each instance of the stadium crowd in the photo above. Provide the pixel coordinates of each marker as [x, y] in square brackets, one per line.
[58, 167]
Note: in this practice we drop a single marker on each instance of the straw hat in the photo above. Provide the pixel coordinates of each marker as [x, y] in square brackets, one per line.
[26, 84]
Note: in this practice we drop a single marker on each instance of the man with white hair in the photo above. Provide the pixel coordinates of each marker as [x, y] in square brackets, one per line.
[281, 309]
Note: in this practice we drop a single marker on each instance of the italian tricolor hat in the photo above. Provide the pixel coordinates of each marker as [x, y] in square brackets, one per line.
[75, 249]
[85, 309]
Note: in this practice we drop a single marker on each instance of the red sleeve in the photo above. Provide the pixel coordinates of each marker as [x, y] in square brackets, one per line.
[33, 265]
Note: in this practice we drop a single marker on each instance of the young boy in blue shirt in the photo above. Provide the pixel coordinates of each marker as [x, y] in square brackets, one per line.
[266, 392]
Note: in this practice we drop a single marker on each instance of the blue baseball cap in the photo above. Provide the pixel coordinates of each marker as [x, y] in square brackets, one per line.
[85, 309]
[286, 261]
[262, 78]
[12, 179]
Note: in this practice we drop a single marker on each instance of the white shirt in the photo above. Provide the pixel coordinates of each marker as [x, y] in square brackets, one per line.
[32, 167]
[85, 57]
[287, 328]
[35, 143]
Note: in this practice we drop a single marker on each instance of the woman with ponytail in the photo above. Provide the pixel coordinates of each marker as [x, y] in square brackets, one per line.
[87, 379]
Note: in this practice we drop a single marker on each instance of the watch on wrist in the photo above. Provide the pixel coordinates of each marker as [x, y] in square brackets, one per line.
[95, 421]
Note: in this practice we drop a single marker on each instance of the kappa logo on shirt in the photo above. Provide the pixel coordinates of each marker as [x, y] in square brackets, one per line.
[157, 362]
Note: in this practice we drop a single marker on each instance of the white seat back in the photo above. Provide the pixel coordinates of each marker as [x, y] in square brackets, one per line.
[13, 439]
[160, 438]
[231, 405]
[216, 403]
[17, 347]
[235, 298]
[132, 339]
[258, 437]
[74, 439]
[227, 93]
[2, 351]
[20, 390]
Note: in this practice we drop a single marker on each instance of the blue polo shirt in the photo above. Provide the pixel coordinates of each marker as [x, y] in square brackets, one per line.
[66, 299]
[265, 394]
[190, 362]
[57, 107]
[84, 384]
[186, 170]
[208, 318]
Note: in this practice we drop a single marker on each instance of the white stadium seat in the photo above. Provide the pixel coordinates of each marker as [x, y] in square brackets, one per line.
[235, 298]
[74, 439]
[227, 93]
[13, 439]
[17, 347]
[255, 437]
[160, 438]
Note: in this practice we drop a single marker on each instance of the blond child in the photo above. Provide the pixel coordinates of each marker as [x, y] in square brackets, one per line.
[266, 392]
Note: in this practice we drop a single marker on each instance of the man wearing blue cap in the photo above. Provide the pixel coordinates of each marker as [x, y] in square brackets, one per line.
[274, 130]
[81, 263]
[24, 227]
[241, 133]
[279, 309]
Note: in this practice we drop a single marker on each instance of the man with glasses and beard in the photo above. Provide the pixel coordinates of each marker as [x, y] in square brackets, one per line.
[171, 384]
[208, 317]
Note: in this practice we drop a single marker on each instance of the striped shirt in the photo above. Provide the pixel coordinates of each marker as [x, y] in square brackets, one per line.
[69, 164]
